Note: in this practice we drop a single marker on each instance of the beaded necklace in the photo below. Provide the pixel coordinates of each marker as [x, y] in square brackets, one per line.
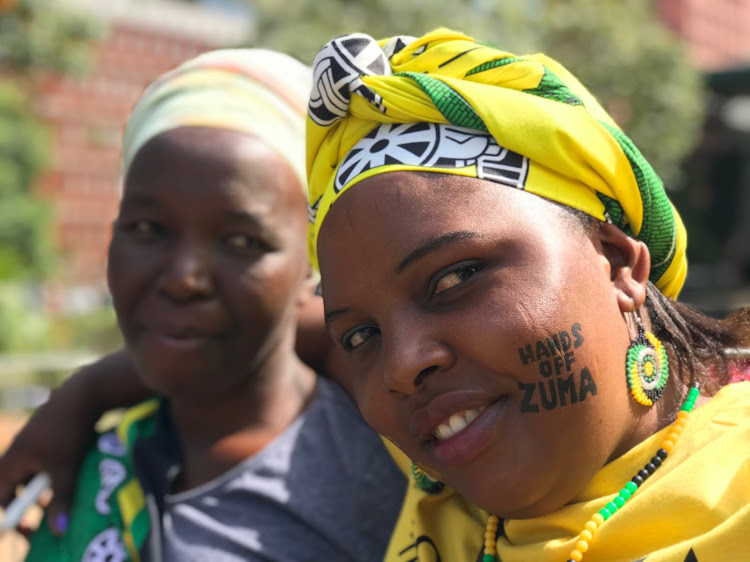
[596, 521]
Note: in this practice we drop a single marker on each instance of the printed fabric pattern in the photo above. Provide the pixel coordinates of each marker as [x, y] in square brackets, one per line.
[109, 519]
[384, 106]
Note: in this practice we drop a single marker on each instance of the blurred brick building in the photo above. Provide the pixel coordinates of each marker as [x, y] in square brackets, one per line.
[146, 37]
[715, 196]
[87, 114]
[717, 32]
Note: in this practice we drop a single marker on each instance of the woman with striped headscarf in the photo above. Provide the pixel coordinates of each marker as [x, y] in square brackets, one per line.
[499, 263]
[246, 454]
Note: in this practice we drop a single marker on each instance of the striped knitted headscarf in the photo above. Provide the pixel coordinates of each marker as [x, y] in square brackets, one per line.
[443, 102]
[256, 91]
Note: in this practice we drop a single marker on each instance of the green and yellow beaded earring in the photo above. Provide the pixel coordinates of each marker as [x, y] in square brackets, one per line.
[424, 481]
[647, 366]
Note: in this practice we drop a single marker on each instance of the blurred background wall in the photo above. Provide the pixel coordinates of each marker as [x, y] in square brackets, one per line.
[70, 72]
[714, 192]
[674, 73]
[85, 113]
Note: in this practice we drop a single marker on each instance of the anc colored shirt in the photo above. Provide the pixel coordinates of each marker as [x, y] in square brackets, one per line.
[325, 489]
[694, 508]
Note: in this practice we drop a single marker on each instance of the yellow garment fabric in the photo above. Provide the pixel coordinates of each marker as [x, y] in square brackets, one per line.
[695, 507]
[253, 91]
[529, 105]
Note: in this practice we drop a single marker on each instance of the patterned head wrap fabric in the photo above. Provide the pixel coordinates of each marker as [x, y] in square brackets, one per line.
[254, 91]
[444, 102]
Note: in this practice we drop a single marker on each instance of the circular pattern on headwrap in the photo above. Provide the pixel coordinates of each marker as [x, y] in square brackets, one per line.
[336, 76]
[561, 142]
[429, 145]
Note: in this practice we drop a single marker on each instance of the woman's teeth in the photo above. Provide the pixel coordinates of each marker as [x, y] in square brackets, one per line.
[457, 422]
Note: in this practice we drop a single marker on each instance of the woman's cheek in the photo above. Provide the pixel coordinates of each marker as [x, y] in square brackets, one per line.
[374, 406]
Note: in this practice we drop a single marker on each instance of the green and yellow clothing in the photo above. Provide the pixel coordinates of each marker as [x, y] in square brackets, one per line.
[695, 507]
[325, 489]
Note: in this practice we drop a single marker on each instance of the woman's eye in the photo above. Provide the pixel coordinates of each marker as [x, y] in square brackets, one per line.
[243, 242]
[357, 336]
[144, 229]
[455, 277]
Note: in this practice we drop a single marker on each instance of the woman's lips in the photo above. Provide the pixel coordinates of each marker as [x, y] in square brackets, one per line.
[181, 342]
[467, 443]
[176, 338]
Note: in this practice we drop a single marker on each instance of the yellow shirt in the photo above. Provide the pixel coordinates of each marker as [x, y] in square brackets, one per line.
[695, 507]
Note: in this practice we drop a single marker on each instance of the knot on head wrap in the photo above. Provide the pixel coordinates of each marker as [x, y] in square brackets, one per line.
[255, 91]
[444, 102]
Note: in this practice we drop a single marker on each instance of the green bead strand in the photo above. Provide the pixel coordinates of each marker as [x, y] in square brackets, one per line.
[631, 487]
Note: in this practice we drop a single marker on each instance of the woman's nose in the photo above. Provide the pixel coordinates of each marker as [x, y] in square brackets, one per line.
[413, 354]
[187, 275]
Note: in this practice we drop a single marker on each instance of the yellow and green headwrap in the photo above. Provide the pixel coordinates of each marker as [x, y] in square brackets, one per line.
[444, 102]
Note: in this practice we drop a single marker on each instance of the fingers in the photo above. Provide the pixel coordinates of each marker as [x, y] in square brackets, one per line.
[25, 530]
[30, 521]
[27, 498]
[59, 506]
[14, 471]
[28, 525]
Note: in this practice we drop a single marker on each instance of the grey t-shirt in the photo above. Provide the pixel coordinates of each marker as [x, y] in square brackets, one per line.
[324, 490]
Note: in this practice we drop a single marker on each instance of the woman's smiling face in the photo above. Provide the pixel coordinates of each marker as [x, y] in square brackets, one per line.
[483, 332]
[206, 260]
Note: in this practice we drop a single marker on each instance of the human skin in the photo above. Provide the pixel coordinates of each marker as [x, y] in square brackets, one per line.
[207, 266]
[113, 382]
[434, 284]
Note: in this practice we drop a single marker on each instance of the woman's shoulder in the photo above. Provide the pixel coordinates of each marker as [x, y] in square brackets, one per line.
[722, 422]
[331, 398]
[716, 440]
[730, 404]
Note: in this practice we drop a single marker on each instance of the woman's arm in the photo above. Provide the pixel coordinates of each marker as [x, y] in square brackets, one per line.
[57, 435]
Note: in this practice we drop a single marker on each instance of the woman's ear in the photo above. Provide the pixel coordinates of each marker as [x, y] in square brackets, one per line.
[309, 287]
[630, 266]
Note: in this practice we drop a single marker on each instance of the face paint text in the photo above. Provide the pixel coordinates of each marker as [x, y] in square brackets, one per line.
[555, 355]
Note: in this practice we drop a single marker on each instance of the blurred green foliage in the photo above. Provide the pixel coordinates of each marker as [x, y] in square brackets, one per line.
[620, 50]
[35, 37]
[26, 249]
[21, 328]
[95, 330]
[38, 35]
[25, 326]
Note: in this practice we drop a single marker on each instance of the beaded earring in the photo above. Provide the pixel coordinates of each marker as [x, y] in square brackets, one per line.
[647, 366]
[424, 481]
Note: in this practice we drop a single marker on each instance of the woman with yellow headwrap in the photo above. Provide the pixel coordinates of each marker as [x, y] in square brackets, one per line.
[247, 454]
[499, 263]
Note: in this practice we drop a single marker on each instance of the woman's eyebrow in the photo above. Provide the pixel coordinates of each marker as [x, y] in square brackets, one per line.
[330, 315]
[246, 216]
[433, 245]
[145, 200]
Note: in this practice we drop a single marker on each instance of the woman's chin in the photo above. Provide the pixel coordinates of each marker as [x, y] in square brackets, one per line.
[521, 509]
[527, 499]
